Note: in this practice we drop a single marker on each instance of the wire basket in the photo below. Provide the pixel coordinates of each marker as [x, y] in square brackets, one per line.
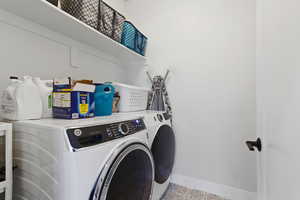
[85, 10]
[133, 38]
[110, 22]
[54, 2]
[96, 14]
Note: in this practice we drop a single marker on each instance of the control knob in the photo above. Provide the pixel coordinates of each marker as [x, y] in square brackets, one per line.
[124, 128]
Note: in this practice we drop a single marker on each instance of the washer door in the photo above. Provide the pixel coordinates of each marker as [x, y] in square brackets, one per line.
[163, 150]
[130, 177]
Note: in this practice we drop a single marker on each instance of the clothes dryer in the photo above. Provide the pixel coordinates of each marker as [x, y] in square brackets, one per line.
[162, 145]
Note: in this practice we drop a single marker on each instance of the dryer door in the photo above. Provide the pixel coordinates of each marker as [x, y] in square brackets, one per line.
[163, 150]
[130, 177]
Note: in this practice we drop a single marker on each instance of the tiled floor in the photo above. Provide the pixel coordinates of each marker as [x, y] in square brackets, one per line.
[176, 192]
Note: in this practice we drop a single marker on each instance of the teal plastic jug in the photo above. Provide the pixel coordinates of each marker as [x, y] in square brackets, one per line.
[104, 96]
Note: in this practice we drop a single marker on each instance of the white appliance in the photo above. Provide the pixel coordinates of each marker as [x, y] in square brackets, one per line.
[104, 158]
[162, 145]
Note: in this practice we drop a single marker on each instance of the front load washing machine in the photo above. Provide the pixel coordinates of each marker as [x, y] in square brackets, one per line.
[162, 144]
[92, 159]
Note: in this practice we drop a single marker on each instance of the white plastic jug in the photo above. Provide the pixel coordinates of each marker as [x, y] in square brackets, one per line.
[45, 89]
[21, 100]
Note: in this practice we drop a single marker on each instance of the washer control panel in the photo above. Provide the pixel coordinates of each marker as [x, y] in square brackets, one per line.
[167, 116]
[93, 135]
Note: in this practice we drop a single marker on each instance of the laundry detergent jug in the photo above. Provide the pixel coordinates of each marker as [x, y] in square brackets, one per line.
[21, 100]
[45, 88]
[104, 96]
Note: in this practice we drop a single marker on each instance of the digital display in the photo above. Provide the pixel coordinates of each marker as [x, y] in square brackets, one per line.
[96, 132]
[89, 141]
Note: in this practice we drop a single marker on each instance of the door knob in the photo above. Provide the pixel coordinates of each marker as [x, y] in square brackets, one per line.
[252, 144]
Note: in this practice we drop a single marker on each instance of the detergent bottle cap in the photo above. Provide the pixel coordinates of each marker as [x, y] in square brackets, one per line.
[27, 78]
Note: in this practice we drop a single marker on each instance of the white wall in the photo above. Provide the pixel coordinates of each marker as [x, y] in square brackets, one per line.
[119, 5]
[209, 46]
[30, 49]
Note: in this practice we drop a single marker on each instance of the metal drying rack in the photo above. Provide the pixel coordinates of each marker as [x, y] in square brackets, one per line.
[159, 97]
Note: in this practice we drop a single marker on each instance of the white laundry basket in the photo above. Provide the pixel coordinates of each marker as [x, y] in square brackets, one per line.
[132, 98]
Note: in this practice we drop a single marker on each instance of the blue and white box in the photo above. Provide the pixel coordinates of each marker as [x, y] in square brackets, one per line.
[73, 103]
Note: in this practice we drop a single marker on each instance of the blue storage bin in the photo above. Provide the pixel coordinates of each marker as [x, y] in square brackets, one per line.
[133, 38]
[104, 96]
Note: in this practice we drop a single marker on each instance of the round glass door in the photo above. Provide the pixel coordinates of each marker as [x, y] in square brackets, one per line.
[163, 150]
[131, 176]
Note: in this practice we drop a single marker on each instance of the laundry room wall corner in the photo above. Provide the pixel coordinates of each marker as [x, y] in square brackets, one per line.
[209, 46]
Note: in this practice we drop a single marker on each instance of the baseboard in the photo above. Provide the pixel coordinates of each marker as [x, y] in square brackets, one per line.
[218, 189]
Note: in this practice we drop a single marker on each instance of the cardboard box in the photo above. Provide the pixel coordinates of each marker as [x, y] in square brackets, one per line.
[69, 103]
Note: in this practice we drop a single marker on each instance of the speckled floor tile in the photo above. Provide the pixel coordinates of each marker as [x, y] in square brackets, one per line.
[176, 192]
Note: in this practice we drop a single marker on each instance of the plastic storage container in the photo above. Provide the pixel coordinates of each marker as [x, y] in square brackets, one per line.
[98, 15]
[104, 96]
[132, 98]
[133, 38]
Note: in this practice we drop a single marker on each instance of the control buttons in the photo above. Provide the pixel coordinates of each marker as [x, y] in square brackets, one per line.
[82, 137]
[167, 116]
[160, 117]
[123, 128]
[109, 133]
[77, 132]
